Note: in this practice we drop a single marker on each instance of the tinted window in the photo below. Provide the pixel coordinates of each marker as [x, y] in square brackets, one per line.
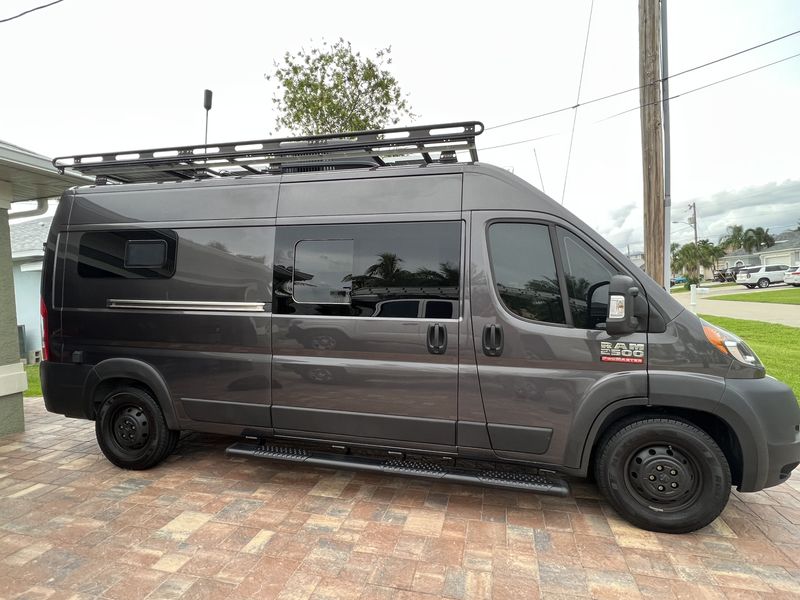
[408, 309]
[323, 271]
[587, 275]
[439, 309]
[127, 254]
[525, 272]
[388, 263]
[145, 253]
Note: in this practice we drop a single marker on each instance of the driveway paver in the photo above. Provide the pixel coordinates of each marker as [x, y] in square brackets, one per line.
[203, 525]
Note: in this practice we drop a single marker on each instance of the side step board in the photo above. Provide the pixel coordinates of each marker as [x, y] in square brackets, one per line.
[540, 484]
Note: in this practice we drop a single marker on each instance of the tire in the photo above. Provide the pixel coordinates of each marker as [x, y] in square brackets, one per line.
[663, 474]
[131, 430]
[763, 282]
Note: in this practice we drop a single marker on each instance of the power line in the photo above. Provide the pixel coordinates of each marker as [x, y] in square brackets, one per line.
[702, 87]
[577, 102]
[686, 93]
[22, 14]
[634, 89]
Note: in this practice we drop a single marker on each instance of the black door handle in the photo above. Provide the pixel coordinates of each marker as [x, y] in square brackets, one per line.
[437, 338]
[492, 340]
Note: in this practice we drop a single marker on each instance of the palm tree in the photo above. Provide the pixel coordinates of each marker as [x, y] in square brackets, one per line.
[733, 238]
[708, 253]
[754, 239]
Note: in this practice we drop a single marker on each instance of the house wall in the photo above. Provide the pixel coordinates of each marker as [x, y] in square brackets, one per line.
[26, 293]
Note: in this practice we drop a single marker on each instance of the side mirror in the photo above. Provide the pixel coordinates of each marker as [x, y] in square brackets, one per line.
[622, 295]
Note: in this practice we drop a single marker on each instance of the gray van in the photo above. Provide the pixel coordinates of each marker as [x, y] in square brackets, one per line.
[372, 301]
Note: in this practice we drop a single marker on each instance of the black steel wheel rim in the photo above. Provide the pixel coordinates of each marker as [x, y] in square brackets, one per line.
[664, 477]
[130, 426]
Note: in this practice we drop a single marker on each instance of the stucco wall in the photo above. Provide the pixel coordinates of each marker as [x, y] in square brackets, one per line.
[26, 294]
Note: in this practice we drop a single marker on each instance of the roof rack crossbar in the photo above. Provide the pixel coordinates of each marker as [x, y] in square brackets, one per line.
[262, 156]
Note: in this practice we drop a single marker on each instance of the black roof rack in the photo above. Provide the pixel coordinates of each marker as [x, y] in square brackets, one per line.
[380, 147]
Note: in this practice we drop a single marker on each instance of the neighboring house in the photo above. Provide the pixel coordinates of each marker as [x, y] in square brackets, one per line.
[27, 252]
[637, 258]
[786, 251]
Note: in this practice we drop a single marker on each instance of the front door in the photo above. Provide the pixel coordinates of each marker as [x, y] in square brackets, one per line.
[539, 296]
[365, 331]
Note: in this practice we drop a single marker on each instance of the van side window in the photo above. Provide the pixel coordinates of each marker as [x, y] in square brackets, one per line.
[525, 271]
[323, 270]
[368, 269]
[588, 276]
[139, 254]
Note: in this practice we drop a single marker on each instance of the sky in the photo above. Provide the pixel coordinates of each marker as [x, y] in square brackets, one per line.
[87, 76]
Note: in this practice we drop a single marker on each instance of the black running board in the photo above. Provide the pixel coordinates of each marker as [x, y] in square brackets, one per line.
[540, 484]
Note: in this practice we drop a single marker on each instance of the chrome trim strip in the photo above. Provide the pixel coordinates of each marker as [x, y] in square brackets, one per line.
[365, 318]
[188, 305]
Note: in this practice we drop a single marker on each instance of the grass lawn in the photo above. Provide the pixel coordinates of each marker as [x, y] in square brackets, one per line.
[787, 296]
[34, 384]
[776, 345]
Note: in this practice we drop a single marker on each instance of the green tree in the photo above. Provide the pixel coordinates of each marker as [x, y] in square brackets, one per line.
[733, 238]
[690, 257]
[756, 238]
[331, 88]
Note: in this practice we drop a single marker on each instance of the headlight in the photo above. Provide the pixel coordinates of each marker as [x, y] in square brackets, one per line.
[730, 345]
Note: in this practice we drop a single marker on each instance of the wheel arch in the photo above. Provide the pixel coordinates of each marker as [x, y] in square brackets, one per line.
[695, 397]
[715, 426]
[117, 372]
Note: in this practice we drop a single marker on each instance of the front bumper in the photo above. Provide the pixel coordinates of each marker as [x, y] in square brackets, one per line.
[766, 419]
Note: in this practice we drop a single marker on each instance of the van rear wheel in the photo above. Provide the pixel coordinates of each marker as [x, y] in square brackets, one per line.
[131, 430]
[763, 282]
[663, 474]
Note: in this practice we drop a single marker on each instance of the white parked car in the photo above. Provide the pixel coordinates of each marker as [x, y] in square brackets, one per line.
[792, 277]
[761, 276]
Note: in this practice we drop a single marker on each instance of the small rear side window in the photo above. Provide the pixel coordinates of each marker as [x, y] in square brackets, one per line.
[145, 254]
[139, 254]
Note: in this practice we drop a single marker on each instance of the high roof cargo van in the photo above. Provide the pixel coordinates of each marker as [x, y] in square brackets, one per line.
[383, 301]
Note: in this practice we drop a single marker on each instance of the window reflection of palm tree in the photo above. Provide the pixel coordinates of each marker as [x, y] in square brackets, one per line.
[388, 271]
[387, 268]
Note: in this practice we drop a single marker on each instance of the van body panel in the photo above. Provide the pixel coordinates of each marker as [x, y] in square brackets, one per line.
[365, 364]
[683, 347]
[184, 319]
[545, 371]
[371, 196]
[229, 199]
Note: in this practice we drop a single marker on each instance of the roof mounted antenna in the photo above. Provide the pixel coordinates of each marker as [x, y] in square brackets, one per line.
[416, 145]
[207, 105]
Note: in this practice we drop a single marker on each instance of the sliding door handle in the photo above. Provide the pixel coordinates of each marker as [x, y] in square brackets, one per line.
[437, 338]
[492, 340]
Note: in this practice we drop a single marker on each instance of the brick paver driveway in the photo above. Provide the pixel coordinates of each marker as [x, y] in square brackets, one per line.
[206, 526]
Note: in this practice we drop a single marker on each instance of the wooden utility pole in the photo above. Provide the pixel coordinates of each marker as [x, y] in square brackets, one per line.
[652, 142]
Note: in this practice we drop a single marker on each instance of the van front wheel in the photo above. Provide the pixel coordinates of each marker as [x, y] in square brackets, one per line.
[131, 429]
[663, 474]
